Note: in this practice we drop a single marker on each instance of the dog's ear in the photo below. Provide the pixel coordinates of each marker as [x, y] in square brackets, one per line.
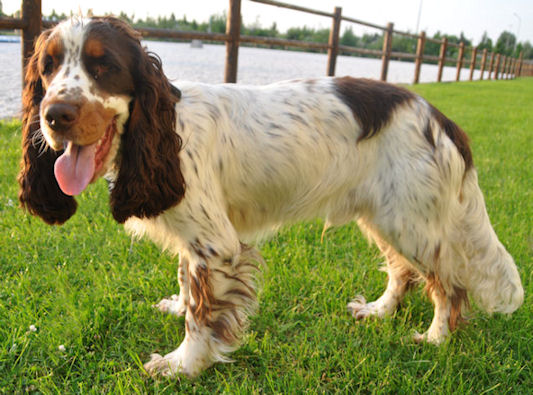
[39, 192]
[149, 178]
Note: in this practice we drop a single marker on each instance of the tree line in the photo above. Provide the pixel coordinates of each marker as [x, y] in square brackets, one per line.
[506, 44]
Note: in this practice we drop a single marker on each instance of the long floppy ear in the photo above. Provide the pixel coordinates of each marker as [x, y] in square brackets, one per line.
[149, 178]
[39, 192]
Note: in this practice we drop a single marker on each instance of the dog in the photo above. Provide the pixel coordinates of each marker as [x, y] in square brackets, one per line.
[202, 170]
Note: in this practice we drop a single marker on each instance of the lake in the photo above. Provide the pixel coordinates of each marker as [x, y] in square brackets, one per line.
[256, 66]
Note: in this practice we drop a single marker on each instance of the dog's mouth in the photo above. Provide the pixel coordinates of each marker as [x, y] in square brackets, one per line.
[79, 165]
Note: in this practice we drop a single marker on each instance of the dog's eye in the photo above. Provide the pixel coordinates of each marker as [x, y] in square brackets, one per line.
[100, 65]
[48, 66]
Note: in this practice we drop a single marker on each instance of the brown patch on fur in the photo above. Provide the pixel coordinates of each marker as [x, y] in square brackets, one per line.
[457, 135]
[94, 48]
[93, 121]
[202, 294]
[204, 300]
[428, 134]
[436, 254]
[107, 57]
[459, 299]
[54, 46]
[39, 192]
[433, 285]
[225, 315]
[235, 278]
[50, 57]
[372, 102]
[410, 278]
[223, 329]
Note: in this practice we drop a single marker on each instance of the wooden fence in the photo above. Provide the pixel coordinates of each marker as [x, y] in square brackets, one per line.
[498, 67]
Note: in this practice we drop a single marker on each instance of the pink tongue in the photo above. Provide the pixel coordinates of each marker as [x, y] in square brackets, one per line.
[75, 168]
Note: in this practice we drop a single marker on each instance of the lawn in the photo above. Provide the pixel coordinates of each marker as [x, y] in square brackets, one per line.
[88, 289]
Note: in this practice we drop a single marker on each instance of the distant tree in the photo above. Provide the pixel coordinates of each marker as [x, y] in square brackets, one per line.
[54, 16]
[404, 44]
[217, 23]
[1, 9]
[320, 36]
[526, 48]
[485, 43]
[123, 16]
[432, 48]
[465, 40]
[299, 33]
[255, 29]
[349, 38]
[506, 43]
[372, 41]
[274, 30]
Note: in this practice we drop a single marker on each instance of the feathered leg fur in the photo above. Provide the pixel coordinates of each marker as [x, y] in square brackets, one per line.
[222, 294]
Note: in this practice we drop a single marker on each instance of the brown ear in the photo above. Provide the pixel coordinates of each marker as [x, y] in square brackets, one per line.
[149, 179]
[39, 192]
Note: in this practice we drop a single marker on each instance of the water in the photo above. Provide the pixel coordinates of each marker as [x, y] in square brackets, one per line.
[256, 66]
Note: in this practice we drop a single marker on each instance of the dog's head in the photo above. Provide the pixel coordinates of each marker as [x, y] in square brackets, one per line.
[96, 103]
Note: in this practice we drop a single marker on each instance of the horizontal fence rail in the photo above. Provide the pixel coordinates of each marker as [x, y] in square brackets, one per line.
[491, 65]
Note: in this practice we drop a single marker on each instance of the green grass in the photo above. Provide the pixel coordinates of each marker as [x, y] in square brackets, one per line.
[86, 286]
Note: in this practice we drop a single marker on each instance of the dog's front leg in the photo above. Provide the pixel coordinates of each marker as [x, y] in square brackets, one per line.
[222, 293]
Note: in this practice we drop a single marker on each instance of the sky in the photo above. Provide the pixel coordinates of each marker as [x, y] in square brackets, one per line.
[472, 17]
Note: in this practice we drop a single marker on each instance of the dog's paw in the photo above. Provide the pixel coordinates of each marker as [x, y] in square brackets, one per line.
[360, 309]
[189, 359]
[174, 305]
[158, 365]
[171, 365]
[428, 337]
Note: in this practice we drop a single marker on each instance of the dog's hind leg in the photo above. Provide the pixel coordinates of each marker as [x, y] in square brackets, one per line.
[177, 305]
[401, 278]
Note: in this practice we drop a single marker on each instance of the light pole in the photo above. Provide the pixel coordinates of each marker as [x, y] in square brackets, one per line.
[418, 18]
[518, 30]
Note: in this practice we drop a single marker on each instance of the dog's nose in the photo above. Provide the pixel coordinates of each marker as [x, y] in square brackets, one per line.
[61, 116]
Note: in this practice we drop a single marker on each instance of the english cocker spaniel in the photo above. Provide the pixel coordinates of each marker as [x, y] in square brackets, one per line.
[203, 169]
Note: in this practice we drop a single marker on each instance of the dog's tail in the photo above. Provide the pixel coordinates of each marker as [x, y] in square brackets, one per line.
[493, 279]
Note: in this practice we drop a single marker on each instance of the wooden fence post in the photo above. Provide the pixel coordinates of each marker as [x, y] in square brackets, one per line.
[505, 71]
[511, 68]
[419, 55]
[233, 31]
[504, 67]
[497, 66]
[460, 60]
[491, 64]
[333, 42]
[387, 48]
[442, 57]
[473, 60]
[483, 63]
[519, 66]
[32, 16]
